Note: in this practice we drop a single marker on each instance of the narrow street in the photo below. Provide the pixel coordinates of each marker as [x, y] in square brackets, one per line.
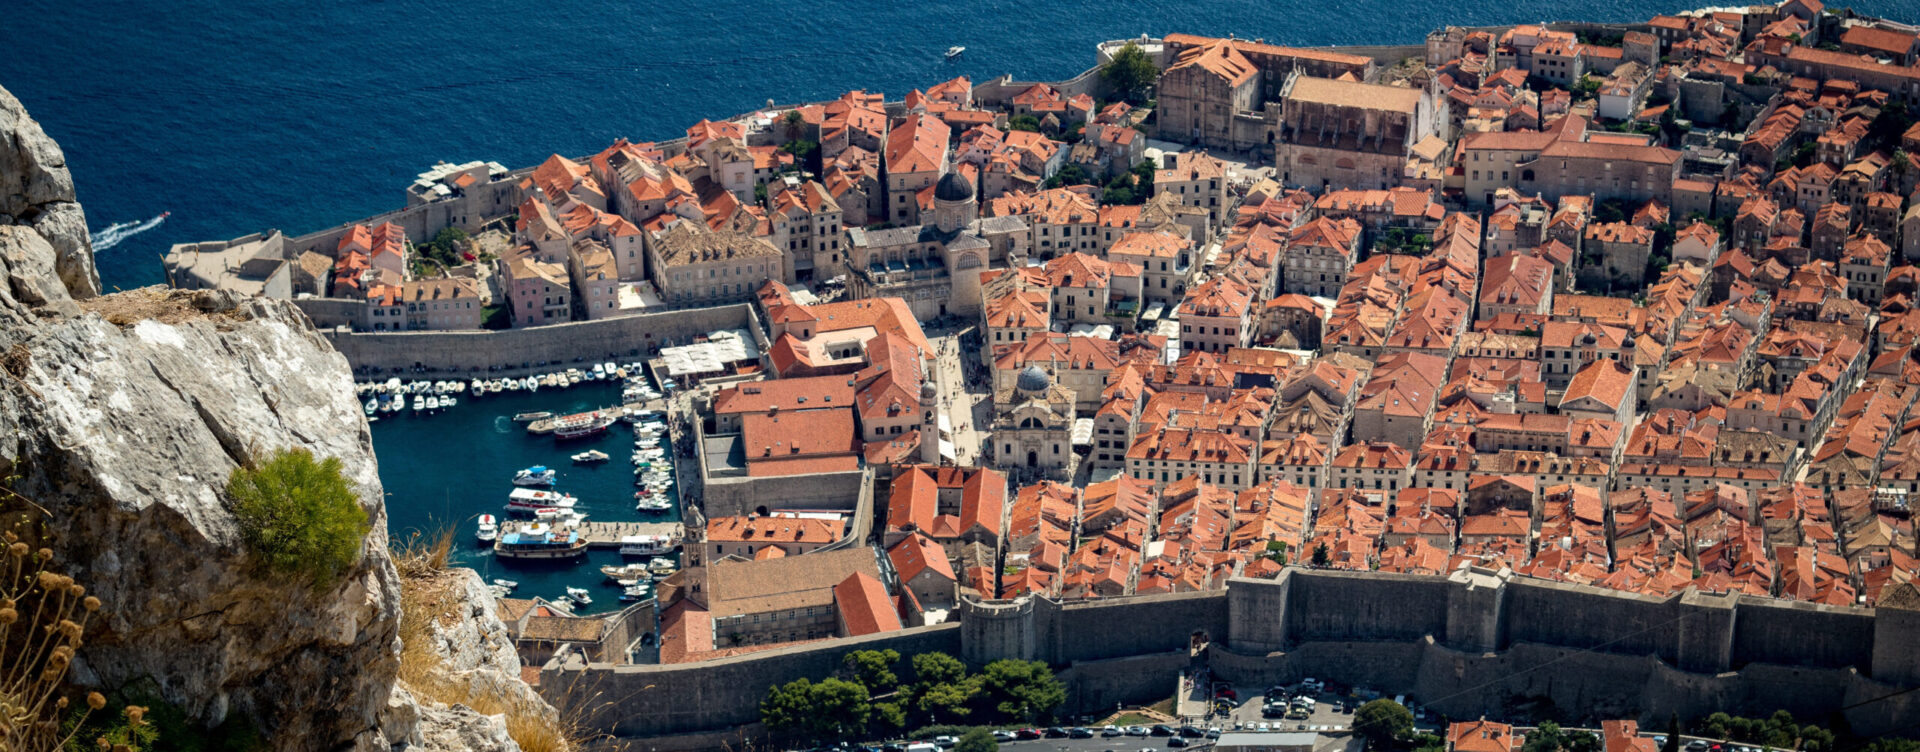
[968, 407]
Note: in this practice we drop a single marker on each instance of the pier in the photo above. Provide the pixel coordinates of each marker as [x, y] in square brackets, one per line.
[608, 534]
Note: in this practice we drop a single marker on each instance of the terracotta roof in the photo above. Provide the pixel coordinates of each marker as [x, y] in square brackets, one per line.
[864, 606]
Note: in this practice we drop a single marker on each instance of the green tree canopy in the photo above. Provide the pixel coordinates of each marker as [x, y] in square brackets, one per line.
[872, 669]
[829, 709]
[298, 516]
[1381, 722]
[1130, 75]
[941, 687]
[976, 740]
[1023, 690]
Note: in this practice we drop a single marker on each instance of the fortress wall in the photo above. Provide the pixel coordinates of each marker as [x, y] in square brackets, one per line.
[1097, 686]
[1801, 633]
[1526, 648]
[1119, 627]
[1554, 613]
[654, 700]
[726, 496]
[1332, 605]
[472, 352]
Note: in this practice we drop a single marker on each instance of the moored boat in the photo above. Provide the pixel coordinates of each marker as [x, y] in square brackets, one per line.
[538, 475]
[582, 425]
[647, 545]
[531, 417]
[489, 529]
[539, 541]
[591, 455]
[532, 500]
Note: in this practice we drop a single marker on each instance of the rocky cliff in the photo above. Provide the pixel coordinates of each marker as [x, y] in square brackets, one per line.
[122, 415]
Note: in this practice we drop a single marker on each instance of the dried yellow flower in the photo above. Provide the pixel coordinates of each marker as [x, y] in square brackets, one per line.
[96, 700]
[8, 616]
[17, 550]
[46, 554]
[135, 713]
[91, 603]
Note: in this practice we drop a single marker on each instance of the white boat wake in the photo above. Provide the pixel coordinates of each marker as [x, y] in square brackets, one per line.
[119, 231]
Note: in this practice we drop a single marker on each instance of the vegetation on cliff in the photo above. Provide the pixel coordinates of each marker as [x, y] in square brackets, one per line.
[429, 593]
[299, 516]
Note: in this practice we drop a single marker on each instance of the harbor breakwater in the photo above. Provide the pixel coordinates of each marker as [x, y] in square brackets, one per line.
[1467, 645]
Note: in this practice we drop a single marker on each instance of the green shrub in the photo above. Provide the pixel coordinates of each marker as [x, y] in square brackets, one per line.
[298, 516]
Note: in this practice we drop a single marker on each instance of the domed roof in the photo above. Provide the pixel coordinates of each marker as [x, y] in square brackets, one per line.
[1033, 379]
[953, 187]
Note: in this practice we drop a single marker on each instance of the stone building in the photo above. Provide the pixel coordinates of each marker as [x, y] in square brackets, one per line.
[1202, 90]
[693, 265]
[1033, 425]
[539, 291]
[935, 267]
[1347, 134]
[596, 281]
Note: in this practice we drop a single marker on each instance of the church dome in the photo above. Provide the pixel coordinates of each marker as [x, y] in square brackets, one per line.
[953, 187]
[1033, 379]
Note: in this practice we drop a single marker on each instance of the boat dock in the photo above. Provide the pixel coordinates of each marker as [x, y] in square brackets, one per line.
[546, 425]
[608, 534]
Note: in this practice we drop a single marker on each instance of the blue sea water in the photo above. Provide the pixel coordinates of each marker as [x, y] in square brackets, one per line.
[239, 116]
[448, 468]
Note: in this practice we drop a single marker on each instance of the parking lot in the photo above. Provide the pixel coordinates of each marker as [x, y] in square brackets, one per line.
[1330, 712]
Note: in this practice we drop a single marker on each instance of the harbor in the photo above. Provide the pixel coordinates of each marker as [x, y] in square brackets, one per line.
[453, 466]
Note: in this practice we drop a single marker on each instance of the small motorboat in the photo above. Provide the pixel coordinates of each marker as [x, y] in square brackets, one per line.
[373, 405]
[489, 529]
[654, 504]
[508, 584]
[662, 567]
[636, 592]
[591, 455]
[531, 417]
[529, 501]
[538, 475]
[419, 403]
[624, 571]
[579, 595]
[955, 51]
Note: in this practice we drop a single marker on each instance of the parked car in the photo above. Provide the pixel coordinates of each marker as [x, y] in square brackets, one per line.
[1226, 692]
[1080, 732]
[945, 742]
[1027, 733]
[1109, 731]
[1055, 732]
[1213, 732]
[1161, 729]
[1190, 731]
[1136, 731]
[1003, 736]
[1175, 741]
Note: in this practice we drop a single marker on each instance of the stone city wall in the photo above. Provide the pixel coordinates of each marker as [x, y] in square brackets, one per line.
[634, 701]
[1471, 644]
[472, 352]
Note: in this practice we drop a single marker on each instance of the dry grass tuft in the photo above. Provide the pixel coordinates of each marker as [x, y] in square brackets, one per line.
[428, 592]
[424, 555]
